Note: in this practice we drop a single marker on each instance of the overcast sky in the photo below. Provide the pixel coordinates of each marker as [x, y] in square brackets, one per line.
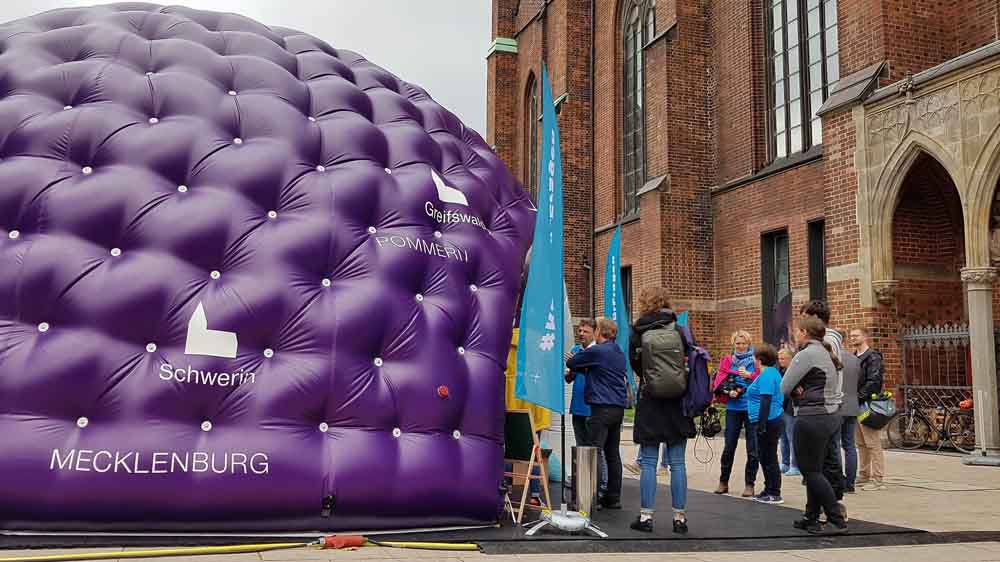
[439, 44]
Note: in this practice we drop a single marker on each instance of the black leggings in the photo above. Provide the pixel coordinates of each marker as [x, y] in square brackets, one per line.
[812, 439]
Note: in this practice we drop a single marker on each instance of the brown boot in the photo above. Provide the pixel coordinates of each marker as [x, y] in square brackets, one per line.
[722, 489]
[748, 492]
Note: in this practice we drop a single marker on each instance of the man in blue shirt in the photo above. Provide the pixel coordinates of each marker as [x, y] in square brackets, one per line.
[606, 394]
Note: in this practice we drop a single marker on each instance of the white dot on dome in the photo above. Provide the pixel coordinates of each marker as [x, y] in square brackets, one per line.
[461, 350]
[396, 432]
[67, 107]
[420, 298]
[371, 230]
[437, 234]
[215, 274]
[232, 92]
[473, 288]
[153, 120]
[14, 234]
[320, 168]
[272, 214]
[82, 422]
[182, 188]
[237, 140]
[388, 171]
[116, 252]
[150, 73]
[378, 361]
[311, 118]
[206, 425]
[87, 170]
[456, 434]
[151, 347]
[269, 353]
[43, 327]
[324, 427]
[326, 282]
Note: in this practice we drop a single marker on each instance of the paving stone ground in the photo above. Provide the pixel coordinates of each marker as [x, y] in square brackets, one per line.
[934, 492]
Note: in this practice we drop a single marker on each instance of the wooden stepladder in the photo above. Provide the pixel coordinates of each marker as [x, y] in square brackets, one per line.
[523, 452]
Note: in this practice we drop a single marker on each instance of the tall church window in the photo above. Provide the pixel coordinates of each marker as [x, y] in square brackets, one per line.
[804, 61]
[531, 139]
[639, 27]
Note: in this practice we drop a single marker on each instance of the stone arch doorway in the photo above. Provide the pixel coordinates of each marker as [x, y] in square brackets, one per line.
[928, 246]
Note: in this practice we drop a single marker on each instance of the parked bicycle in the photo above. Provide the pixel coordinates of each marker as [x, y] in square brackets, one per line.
[912, 428]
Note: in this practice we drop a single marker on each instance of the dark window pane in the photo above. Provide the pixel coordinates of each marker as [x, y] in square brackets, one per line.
[817, 260]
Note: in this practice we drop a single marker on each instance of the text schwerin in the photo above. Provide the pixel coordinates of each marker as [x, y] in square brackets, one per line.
[452, 217]
[164, 462]
[424, 247]
[209, 378]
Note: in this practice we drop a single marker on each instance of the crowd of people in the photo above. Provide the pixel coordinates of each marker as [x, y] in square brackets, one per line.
[802, 401]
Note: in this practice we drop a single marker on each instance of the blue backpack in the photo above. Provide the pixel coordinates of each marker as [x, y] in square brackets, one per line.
[699, 388]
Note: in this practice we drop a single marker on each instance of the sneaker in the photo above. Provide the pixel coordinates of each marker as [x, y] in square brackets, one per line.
[784, 468]
[861, 481]
[611, 504]
[874, 486]
[680, 526]
[793, 471]
[769, 499]
[632, 467]
[807, 523]
[642, 526]
[831, 528]
[841, 511]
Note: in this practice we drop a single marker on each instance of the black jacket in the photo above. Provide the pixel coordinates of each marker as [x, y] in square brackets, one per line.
[870, 381]
[656, 420]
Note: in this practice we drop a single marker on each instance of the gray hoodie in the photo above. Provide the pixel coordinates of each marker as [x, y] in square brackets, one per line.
[813, 370]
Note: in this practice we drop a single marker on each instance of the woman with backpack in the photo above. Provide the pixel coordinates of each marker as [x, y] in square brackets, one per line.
[736, 372]
[656, 345]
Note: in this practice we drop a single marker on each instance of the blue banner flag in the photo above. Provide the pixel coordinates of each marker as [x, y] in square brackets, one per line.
[541, 340]
[614, 298]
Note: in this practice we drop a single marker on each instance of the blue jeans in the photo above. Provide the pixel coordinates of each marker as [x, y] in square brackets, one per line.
[674, 457]
[845, 440]
[788, 443]
[735, 421]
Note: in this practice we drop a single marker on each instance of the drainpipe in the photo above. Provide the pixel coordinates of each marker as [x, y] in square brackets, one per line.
[593, 182]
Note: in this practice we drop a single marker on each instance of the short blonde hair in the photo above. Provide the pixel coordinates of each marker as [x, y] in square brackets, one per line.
[607, 328]
[740, 334]
[652, 299]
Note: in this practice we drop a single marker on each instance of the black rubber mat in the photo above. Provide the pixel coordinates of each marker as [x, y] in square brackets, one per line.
[717, 523]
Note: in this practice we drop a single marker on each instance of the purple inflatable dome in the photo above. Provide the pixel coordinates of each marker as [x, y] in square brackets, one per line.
[248, 281]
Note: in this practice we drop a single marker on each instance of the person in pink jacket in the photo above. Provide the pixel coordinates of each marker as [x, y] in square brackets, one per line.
[736, 371]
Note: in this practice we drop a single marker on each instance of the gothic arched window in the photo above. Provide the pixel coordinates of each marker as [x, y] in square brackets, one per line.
[639, 25]
[531, 112]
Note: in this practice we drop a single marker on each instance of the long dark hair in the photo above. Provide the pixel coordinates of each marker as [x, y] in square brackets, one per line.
[816, 329]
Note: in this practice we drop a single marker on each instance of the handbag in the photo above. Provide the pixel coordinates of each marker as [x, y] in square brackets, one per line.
[877, 412]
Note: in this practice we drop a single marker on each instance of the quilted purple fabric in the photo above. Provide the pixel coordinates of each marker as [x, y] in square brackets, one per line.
[247, 281]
